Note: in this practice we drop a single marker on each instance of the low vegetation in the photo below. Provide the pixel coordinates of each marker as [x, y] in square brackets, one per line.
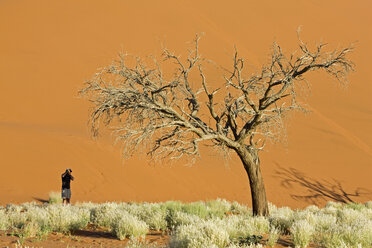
[216, 223]
[54, 197]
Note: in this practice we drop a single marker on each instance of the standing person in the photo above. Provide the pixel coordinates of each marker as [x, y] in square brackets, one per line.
[66, 190]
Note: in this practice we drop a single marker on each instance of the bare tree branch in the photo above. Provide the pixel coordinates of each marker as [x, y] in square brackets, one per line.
[168, 115]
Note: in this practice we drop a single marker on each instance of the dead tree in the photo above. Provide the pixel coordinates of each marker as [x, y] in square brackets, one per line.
[170, 116]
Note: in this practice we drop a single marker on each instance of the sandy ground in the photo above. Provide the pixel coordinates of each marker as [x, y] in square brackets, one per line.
[82, 238]
[48, 48]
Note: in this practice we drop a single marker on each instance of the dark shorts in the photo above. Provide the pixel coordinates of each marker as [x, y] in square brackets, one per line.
[66, 193]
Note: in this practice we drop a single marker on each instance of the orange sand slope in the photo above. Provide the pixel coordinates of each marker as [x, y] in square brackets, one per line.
[48, 48]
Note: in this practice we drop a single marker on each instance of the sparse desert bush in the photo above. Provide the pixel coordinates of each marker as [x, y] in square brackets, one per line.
[151, 213]
[242, 226]
[4, 223]
[38, 215]
[352, 229]
[199, 235]
[237, 208]
[104, 214]
[274, 235]
[260, 224]
[282, 219]
[65, 219]
[196, 208]
[355, 206]
[331, 204]
[219, 207]
[302, 233]
[181, 218]
[128, 226]
[55, 198]
[312, 209]
[368, 204]
[29, 230]
[16, 219]
[330, 210]
[238, 226]
[349, 215]
[345, 236]
[172, 205]
[324, 222]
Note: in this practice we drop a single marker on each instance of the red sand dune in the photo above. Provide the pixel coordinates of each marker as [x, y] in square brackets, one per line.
[48, 48]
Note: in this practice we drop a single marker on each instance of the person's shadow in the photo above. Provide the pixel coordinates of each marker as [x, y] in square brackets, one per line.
[40, 200]
[317, 190]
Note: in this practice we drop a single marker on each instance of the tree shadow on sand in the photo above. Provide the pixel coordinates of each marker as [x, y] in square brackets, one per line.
[317, 190]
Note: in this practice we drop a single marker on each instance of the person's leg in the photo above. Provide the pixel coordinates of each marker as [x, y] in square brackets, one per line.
[68, 196]
[63, 196]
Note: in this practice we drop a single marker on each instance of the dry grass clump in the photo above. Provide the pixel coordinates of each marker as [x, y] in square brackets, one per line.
[199, 235]
[153, 214]
[65, 219]
[274, 235]
[55, 198]
[4, 223]
[199, 224]
[129, 226]
[302, 233]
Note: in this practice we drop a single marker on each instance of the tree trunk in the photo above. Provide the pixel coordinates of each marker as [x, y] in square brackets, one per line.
[251, 164]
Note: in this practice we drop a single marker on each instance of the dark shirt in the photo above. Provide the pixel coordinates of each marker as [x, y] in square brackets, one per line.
[66, 178]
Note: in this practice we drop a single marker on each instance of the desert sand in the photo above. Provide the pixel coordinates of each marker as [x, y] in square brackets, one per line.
[49, 48]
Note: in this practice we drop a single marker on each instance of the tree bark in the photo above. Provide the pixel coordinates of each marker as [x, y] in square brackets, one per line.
[251, 164]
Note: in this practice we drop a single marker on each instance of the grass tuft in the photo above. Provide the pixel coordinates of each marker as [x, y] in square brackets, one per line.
[55, 198]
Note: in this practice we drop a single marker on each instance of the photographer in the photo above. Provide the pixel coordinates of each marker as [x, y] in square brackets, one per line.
[66, 190]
